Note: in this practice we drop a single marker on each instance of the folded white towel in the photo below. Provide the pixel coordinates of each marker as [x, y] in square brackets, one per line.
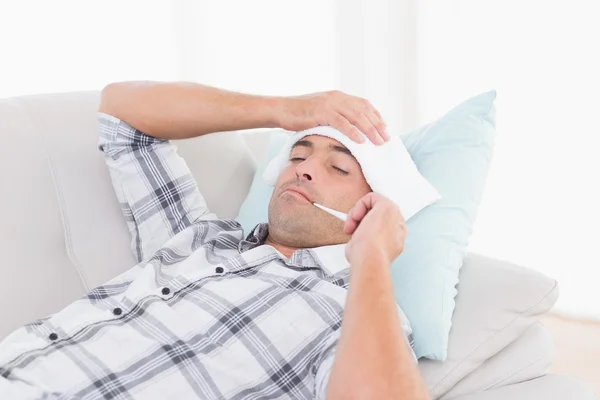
[388, 169]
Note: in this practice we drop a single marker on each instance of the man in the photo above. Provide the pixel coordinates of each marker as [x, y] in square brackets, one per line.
[211, 313]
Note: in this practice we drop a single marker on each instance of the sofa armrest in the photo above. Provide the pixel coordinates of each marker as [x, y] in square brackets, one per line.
[497, 302]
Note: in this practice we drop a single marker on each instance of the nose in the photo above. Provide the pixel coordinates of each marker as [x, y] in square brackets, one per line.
[307, 169]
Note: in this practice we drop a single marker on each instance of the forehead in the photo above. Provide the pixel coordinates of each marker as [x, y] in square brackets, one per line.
[322, 142]
[319, 140]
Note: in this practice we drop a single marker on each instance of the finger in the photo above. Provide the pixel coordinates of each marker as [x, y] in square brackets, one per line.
[358, 118]
[373, 115]
[376, 119]
[377, 113]
[360, 209]
[378, 123]
[341, 124]
[358, 212]
[354, 217]
[350, 225]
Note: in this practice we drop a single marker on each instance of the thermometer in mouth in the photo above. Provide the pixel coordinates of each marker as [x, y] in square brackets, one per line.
[338, 214]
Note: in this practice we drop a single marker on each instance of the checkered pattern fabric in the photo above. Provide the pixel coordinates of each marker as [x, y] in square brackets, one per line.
[207, 313]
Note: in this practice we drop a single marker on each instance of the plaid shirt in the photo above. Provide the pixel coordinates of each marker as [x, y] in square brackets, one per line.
[206, 314]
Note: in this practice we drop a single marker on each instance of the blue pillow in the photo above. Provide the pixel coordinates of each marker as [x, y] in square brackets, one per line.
[255, 209]
[454, 155]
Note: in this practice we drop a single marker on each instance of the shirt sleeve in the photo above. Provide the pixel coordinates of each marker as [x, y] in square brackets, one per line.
[324, 366]
[154, 186]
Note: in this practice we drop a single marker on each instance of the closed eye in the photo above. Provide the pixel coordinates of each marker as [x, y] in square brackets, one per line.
[341, 171]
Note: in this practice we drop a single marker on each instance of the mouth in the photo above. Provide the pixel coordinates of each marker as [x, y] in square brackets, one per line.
[298, 193]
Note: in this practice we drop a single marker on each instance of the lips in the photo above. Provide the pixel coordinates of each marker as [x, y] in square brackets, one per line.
[300, 192]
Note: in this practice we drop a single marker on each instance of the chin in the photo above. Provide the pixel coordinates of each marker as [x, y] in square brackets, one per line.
[290, 221]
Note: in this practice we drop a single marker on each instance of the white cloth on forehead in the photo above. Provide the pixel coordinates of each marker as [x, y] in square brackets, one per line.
[388, 169]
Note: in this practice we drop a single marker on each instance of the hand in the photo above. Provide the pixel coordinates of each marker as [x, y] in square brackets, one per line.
[335, 108]
[377, 228]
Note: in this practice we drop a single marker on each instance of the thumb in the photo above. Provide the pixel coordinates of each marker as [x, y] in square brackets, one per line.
[359, 211]
[350, 225]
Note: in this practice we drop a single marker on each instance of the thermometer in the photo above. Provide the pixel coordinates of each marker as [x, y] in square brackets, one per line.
[338, 214]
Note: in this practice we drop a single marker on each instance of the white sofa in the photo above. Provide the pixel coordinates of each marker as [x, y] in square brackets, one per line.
[62, 234]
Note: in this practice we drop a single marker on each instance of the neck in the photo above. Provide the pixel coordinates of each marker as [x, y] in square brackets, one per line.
[283, 249]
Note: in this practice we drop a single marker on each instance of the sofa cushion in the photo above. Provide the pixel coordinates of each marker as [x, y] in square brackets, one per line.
[496, 303]
[548, 387]
[528, 357]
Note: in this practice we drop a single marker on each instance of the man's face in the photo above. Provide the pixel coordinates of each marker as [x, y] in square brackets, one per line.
[320, 170]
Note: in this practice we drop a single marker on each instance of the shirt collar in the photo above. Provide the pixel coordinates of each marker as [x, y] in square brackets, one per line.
[255, 238]
[331, 258]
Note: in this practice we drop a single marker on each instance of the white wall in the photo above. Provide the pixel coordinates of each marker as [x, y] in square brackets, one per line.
[378, 54]
[66, 45]
[263, 46]
[542, 204]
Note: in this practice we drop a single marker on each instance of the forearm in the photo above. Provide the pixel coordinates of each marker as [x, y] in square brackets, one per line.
[373, 359]
[183, 110]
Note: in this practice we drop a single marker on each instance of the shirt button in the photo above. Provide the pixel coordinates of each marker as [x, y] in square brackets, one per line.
[166, 291]
[117, 311]
[53, 336]
[219, 270]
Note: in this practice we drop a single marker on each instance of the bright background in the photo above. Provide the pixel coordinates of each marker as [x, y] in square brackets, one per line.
[414, 59]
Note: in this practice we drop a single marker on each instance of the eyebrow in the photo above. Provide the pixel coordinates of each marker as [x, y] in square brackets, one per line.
[332, 147]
